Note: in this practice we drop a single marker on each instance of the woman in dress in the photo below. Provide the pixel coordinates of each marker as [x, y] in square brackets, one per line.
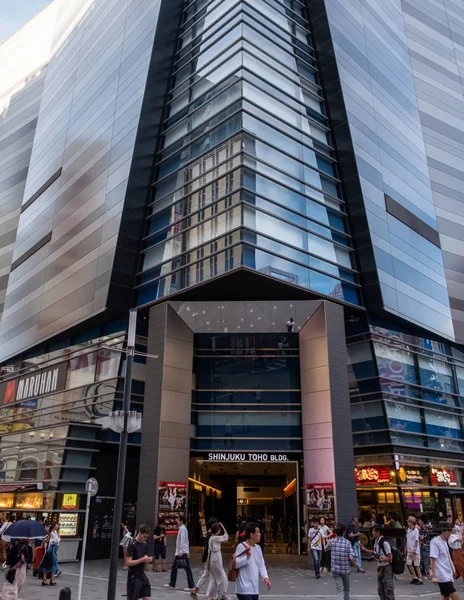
[49, 563]
[125, 542]
[217, 587]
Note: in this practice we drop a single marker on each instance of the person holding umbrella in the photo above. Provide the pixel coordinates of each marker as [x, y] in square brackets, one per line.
[20, 554]
[17, 560]
[49, 564]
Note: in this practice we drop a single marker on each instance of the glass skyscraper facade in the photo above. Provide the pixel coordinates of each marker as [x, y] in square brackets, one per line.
[275, 186]
[246, 173]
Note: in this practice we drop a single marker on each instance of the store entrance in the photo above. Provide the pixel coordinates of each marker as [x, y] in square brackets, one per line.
[264, 492]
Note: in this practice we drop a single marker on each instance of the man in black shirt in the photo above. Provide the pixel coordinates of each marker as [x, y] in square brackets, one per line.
[159, 537]
[138, 585]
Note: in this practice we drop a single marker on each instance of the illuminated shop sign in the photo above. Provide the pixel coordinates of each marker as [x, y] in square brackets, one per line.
[410, 475]
[442, 476]
[247, 456]
[366, 475]
[69, 502]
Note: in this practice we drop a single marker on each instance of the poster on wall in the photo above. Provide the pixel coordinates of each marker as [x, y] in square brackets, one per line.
[320, 502]
[172, 504]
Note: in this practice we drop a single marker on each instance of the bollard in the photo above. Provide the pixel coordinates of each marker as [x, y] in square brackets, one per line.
[65, 594]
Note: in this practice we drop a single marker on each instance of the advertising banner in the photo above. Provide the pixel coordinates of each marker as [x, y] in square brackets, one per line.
[172, 504]
[320, 502]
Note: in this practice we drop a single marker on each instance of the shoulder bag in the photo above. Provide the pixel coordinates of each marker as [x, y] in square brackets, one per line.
[232, 572]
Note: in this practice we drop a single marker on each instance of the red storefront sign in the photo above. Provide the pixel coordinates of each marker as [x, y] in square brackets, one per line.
[369, 475]
[441, 476]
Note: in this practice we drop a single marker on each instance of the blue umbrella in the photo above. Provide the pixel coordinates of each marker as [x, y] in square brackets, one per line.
[25, 530]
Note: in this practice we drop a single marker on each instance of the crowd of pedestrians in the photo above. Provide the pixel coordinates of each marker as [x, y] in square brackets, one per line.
[336, 549]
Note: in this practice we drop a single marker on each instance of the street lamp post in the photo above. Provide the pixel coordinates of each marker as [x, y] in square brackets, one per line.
[125, 422]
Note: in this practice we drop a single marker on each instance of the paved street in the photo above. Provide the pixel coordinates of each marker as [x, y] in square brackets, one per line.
[289, 575]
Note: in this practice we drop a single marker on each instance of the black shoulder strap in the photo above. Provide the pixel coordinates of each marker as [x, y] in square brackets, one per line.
[381, 546]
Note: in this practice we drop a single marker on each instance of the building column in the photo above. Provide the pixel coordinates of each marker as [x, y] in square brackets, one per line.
[165, 449]
[326, 418]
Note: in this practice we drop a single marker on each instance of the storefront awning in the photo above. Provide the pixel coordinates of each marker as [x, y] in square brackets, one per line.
[15, 488]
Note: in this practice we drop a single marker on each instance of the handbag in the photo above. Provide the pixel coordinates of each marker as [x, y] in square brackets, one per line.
[232, 572]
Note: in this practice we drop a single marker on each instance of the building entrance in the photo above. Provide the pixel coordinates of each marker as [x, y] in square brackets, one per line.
[245, 490]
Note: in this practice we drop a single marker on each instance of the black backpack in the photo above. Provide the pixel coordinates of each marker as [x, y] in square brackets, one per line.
[397, 561]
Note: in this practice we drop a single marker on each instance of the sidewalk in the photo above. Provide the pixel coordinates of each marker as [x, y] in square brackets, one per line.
[289, 575]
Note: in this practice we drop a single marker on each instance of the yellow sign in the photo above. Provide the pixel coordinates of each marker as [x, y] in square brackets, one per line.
[69, 502]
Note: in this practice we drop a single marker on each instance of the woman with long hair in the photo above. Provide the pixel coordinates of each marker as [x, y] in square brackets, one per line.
[49, 564]
[217, 587]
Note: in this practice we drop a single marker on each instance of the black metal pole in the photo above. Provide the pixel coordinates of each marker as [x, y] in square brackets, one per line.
[122, 459]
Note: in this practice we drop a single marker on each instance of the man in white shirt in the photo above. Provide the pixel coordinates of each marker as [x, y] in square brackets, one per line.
[441, 565]
[413, 551]
[181, 559]
[316, 541]
[250, 565]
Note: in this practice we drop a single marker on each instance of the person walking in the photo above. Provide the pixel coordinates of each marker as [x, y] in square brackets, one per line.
[138, 585]
[383, 553]
[125, 542]
[17, 560]
[326, 535]
[441, 565]
[181, 560]
[315, 544]
[204, 559]
[49, 564]
[457, 553]
[342, 559]
[250, 565]
[354, 534]
[413, 558]
[217, 587]
[424, 537]
[159, 545]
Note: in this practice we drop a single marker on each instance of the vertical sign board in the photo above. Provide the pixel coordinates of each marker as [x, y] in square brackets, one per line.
[172, 504]
[320, 502]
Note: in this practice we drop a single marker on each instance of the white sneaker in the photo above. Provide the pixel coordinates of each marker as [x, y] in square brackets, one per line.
[124, 567]
[189, 589]
[168, 585]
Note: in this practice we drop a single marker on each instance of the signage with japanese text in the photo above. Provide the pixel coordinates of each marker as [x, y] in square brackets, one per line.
[172, 504]
[320, 502]
[442, 476]
[366, 475]
[410, 475]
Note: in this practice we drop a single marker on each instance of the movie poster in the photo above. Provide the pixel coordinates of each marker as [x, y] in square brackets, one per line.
[320, 502]
[172, 504]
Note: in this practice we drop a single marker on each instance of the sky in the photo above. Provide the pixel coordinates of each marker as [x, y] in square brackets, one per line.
[16, 13]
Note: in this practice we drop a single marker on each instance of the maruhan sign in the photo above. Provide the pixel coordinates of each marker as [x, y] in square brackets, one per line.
[45, 381]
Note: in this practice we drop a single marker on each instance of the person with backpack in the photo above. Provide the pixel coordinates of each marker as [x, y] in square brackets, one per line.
[383, 552]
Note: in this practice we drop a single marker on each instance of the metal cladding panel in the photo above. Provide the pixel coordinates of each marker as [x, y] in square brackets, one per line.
[23, 60]
[435, 34]
[367, 71]
[90, 110]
